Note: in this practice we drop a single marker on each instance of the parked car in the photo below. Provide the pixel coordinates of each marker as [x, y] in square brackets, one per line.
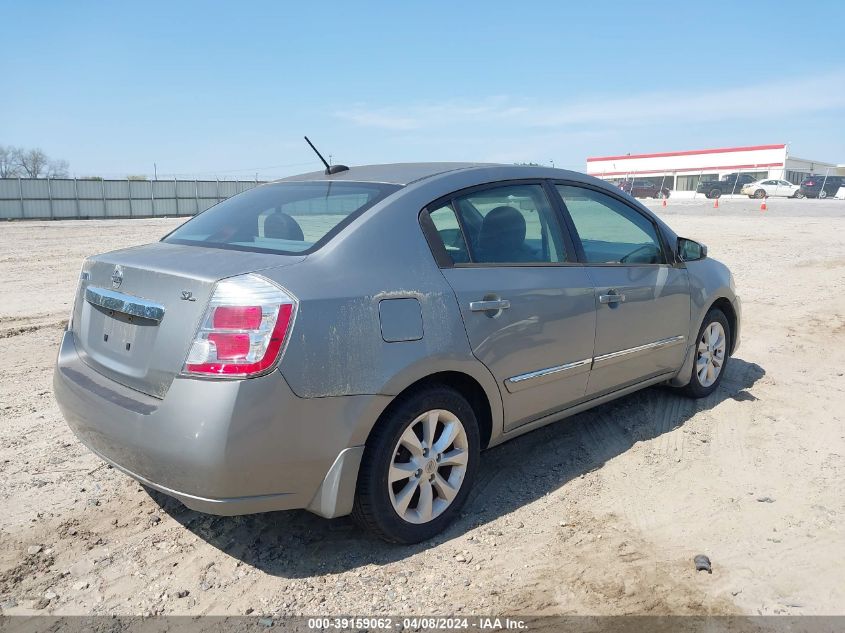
[644, 189]
[811, 187]
[350, 342]
[730, 184]
[771, 187]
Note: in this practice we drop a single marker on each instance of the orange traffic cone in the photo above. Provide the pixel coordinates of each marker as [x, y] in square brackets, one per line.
[763, 206]
[716, 204]
[664, 202]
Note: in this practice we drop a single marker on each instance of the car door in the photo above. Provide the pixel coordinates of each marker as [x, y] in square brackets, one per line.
[642, 300]
[644, 189]
[770, 187]
[527, 305]
[787, 189]
[832, 185]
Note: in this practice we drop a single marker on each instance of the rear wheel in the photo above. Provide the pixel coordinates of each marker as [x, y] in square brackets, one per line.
[711, 355]
[418, 466]
[760, 193]
[715, 193]
[822, 194]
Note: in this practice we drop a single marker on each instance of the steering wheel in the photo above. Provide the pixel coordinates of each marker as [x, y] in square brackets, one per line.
[644, 247]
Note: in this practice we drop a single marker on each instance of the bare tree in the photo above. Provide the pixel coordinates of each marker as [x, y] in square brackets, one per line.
[33, 162]
[57, 169]
[9, 167]
[17, 162]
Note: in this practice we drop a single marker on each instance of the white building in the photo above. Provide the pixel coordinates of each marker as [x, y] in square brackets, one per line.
[682, 171]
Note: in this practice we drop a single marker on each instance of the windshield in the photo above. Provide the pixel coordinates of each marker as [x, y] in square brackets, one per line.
[287, 218]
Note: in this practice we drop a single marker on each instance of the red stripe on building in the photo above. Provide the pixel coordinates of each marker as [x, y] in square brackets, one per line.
[722, 150]
[672, 171]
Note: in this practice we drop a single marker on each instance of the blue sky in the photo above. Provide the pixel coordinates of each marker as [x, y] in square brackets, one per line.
[228, 89]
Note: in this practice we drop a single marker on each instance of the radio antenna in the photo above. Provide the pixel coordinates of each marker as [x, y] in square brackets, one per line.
[330, 169]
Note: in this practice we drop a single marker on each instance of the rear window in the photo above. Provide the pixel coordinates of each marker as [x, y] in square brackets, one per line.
[286, 218]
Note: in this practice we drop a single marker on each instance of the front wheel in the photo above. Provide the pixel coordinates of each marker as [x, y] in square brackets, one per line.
[711, 355]
[715, 193]
[418, 466]
[798, 195]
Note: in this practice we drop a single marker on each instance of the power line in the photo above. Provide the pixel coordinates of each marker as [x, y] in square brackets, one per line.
[214, 172]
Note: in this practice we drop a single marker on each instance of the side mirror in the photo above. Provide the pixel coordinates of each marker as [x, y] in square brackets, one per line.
[690, 250]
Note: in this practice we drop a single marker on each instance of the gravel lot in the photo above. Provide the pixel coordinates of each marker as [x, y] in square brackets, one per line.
[601, 513]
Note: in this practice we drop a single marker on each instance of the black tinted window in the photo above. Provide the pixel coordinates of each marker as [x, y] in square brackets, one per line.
[512, 224]
[280, 217]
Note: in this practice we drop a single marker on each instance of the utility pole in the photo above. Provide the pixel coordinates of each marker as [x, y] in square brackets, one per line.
[155, 171]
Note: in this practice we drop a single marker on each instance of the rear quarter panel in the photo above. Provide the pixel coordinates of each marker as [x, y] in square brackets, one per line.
[336, 346]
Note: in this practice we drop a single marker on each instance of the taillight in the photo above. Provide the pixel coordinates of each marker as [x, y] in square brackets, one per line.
[244, 329]
[84, 274]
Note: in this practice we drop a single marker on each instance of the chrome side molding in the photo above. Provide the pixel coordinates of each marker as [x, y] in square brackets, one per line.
[125, 304]
[536, 377]
[624, 354]
[531, 378]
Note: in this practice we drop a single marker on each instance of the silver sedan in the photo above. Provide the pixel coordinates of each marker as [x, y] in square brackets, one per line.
[349, 342]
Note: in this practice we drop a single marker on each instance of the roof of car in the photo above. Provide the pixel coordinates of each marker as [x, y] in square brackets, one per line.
[393, 173]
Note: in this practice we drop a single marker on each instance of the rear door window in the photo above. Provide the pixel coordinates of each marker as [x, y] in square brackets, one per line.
[285, 218]
[449, 231]
[511, 224]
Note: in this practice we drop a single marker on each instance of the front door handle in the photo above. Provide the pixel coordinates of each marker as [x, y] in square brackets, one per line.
[490, 304]
[612, 298]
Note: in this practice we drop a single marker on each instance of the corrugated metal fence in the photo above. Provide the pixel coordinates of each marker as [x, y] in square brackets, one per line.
[61, 198]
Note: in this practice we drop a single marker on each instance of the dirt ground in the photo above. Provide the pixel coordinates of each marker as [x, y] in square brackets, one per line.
[601, 513]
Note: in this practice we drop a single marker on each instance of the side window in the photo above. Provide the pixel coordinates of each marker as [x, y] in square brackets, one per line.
[446, 223]
[511, 224]
[611, 232]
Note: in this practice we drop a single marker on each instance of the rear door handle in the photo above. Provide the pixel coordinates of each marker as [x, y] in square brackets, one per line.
[486, 306]
[611, 298]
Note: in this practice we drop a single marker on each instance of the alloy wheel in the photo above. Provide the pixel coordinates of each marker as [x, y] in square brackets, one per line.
[428, 466]
[710, 358]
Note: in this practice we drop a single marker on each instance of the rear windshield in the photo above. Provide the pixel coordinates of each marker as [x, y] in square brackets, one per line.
[287, 218]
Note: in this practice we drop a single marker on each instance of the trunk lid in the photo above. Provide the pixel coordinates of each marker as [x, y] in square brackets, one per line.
[138, 309]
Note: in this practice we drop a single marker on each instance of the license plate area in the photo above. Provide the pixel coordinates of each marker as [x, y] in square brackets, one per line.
[119, 331]
[121, 342]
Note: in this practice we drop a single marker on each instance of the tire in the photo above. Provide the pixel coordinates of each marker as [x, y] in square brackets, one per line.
[760, 193]
[822, 194]
[715, 193]
[798, 195]
[702, 386]
[378, 502]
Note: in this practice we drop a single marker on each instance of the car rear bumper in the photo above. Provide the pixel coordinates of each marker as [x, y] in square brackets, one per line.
[221, 446]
